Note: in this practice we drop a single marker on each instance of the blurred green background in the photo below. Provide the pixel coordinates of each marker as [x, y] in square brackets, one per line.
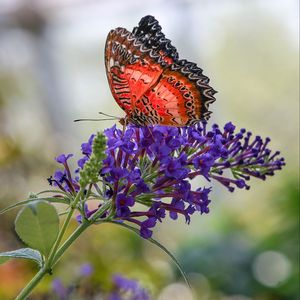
[52, 72]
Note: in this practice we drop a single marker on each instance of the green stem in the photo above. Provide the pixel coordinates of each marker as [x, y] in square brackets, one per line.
[53, 191]
[63, 229]
[30, 286]
[69, 242]
[105, 206]
[85, 224]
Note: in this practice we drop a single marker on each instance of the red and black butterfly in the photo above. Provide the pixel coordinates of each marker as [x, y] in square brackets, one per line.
[148, 80]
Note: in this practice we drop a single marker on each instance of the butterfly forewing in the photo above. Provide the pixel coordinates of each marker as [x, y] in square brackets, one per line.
[129, 74]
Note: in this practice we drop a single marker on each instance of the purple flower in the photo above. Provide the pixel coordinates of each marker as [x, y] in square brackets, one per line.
[59, 176]
[123, 200]
[86, 214]
[153, 166]
[203, 163]
[62, 159]
[82, 161]
[86, 270]
[201, 200]
[122, 204]
[145, 225]
[157, 211]
[63, 180]
[59, 289]
[108, 164]
[86, 148]
[115, 296]
[130, 287]
[125, 283]
[177, 206]
[141, 187]
[135, 176]
[229, 127]
[118, 173]
[175, 169]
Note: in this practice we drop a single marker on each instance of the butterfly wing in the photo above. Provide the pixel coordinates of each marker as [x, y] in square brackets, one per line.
[131, 69]
[181, 96]
[149, 82]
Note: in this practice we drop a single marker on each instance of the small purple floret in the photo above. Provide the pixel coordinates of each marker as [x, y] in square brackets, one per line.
[62, 159]
[131, 287]
[86, 270]
[59, 289]
[86, 148]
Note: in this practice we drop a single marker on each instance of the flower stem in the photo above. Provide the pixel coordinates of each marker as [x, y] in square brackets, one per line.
[85, 224]
[31, 285]
[69, 242]
[63, 229]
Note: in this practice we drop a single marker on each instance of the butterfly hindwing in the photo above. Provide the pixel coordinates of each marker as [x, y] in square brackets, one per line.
[175, 100]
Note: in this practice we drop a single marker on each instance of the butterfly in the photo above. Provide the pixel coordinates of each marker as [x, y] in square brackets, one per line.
[149, 81]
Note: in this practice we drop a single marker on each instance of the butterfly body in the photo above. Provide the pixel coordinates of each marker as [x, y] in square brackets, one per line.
[150, 83]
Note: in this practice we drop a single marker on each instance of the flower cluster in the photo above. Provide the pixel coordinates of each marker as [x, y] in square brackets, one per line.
[127, 289]
[154, 166]
[63, 292]
[123, 288]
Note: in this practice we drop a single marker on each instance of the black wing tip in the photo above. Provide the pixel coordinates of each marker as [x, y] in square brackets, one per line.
[148, 20]
[195, 75]
[147, 24]
[149, 32]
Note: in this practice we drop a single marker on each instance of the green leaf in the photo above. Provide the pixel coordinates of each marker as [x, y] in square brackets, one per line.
[24, 202]
[37, 224]
[26, 253]
[163, 248]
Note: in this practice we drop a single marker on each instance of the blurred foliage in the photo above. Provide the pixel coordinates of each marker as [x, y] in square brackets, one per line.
[226, 261]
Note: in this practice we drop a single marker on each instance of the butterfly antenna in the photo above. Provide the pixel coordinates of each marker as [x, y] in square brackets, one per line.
[106, 115]
[79, 120]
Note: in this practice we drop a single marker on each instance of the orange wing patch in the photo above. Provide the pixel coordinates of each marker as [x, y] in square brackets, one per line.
[141, 76]
[173, 101]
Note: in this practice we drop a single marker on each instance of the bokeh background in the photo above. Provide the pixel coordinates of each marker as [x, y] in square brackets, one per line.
[52, 72]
